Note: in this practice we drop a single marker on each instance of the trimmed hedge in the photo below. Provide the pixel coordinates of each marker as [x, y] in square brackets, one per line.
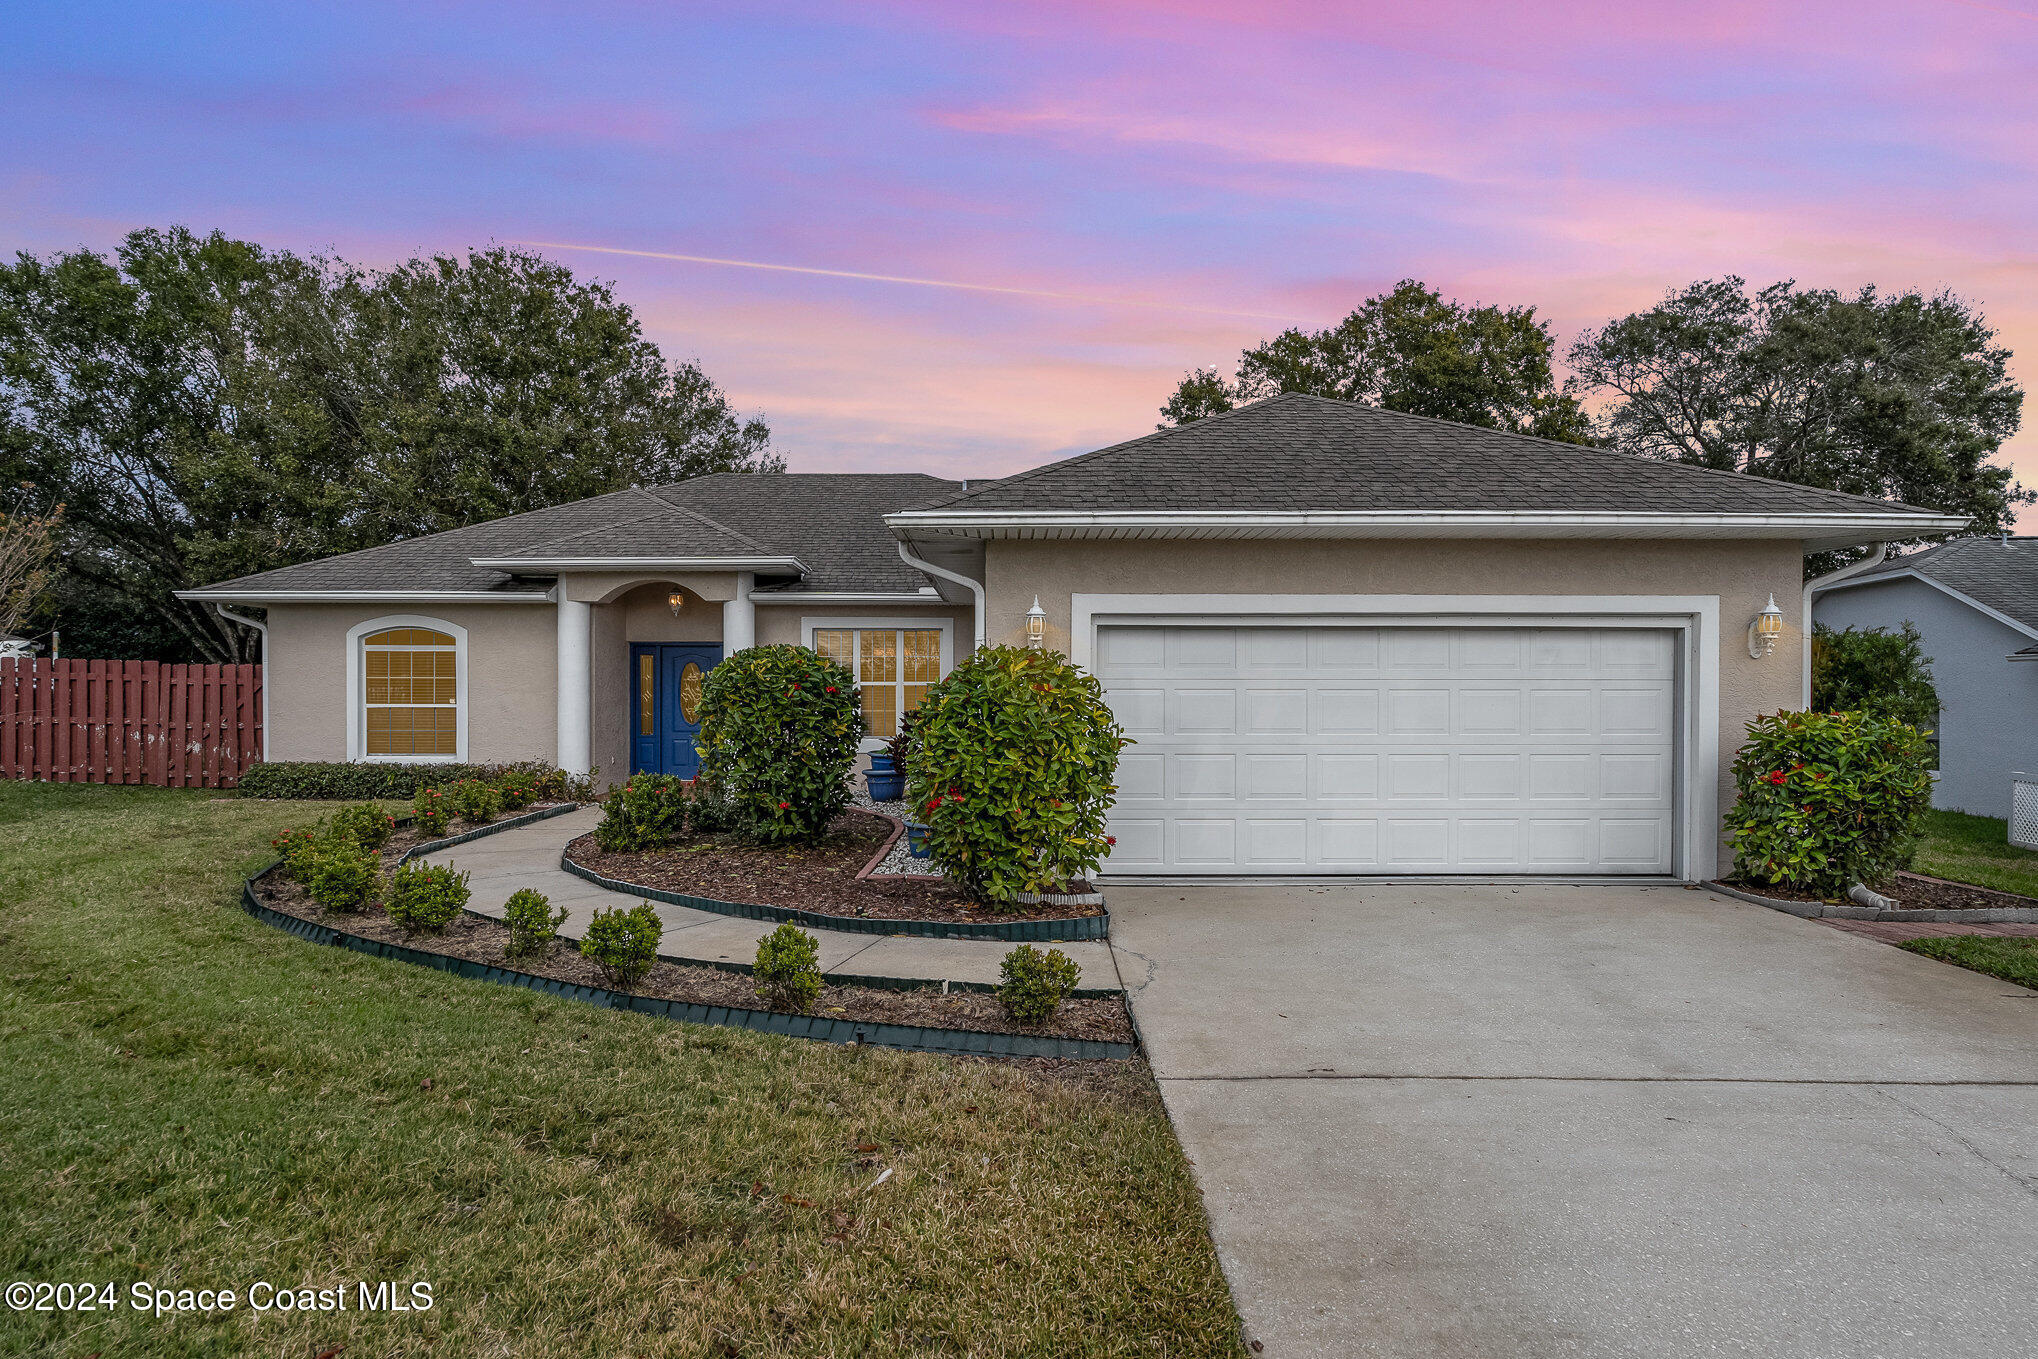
[334, 781]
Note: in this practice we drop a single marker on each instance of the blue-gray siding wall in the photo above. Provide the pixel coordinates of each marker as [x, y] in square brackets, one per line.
[1988, 718]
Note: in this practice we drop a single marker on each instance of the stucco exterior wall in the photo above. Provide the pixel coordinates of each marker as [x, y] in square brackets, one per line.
[512, 666]
[1988, 713]
[1742, 574]
[779, 624]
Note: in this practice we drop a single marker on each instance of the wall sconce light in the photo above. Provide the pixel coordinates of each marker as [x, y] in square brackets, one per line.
[676, 601]
[1036, 625]
[1763, 632]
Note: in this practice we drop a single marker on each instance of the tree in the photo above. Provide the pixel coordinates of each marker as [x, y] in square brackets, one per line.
[208, 408]
[1407, 350]
[1876, 671]
[1904, 397]
[27, 543]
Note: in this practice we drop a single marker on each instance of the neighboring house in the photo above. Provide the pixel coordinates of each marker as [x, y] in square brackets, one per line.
[1975, 603]
[1345, 640]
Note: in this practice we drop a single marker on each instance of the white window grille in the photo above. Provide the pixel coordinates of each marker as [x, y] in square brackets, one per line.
[2023, 811]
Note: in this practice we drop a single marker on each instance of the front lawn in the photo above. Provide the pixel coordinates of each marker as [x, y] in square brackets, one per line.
[1973, 849]
[2011, 959]
[191, 1098]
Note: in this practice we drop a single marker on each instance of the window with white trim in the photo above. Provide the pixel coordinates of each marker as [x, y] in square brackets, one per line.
[411, 694]
[894, 667]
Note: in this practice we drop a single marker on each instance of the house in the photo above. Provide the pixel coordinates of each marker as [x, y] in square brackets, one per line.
[1975, 603]
[1345, 640]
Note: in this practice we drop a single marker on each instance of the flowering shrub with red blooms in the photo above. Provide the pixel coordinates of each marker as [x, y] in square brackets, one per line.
[780, 727]
[429, 812]
[645, 812]
[297, 848]
[1828, 800]
[1014, 753]
[366, 824]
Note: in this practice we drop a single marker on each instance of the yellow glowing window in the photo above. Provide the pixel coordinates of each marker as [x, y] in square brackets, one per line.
[893, 669]
[412, 692]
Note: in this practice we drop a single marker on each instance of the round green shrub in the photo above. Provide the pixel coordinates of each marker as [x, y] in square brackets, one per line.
[1828, 800]
[366, 824]
[622, 944]
[425, 898]
[518, 788]
[645, 811]
[430, 812]
[533, 924]
[1036, 983]
[297, 848]
[475, 801]
[779, 730]
[788, 968]
[343, 875]
[1014, 753]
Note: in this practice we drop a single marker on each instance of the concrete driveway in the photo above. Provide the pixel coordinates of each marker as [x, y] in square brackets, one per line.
[1590, 1120]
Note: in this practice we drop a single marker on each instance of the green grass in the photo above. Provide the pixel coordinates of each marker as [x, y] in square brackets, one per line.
[2013, 960]
[1973, 849]
[192, 1098]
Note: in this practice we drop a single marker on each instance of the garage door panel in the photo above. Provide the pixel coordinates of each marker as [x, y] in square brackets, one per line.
[1392, 750]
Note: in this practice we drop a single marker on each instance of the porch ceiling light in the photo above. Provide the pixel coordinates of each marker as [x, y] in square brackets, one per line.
[1036, 625]
[1763, 632]
[677, 600]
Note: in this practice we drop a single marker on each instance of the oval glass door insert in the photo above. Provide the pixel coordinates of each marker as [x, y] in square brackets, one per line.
[690, 693]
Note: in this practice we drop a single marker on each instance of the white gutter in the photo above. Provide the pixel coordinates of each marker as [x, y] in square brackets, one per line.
[363, 596]
[844, 597]
[975, 587]
[528, 565]
[263, 628]
[1817, 583]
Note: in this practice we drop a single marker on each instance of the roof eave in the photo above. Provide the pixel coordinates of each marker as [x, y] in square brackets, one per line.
[315, 596]
[525, 565]
[1819, 532]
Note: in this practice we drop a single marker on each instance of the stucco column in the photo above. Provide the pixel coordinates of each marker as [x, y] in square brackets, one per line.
[739, 616]
[576, 638]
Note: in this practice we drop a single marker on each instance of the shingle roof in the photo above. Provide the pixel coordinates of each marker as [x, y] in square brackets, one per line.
[833, 522]
[1306, 453]
[2001, 574]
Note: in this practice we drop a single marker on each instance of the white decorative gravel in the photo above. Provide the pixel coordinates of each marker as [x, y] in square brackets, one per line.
[899, 860]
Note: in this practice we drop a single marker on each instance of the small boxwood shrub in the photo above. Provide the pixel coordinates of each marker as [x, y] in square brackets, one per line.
[430, 812]
[1828, 800]
[425, 898]
[474, 800]
[644, 812]
[1036, 983]
[788, 968]
[366, 824]
[518, 787]
[622, 944]
[342, 874]
[533, 924]
[1014, 753]
[335, 781]
[297, 848]
[780, 727]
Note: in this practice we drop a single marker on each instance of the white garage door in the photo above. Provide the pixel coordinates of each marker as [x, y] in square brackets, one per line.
[1328, 749]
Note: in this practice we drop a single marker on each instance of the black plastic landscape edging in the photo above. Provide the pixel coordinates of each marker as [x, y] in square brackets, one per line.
[1096, 926]
[908, 1037]
[492, 828]
[1813, 910]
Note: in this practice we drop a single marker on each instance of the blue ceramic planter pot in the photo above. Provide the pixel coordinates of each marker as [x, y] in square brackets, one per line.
[885, 787]
[916, 840]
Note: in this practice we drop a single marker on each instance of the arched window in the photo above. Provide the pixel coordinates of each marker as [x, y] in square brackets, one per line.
[410, 693]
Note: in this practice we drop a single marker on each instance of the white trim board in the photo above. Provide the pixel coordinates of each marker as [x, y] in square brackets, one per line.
[357, 714]
[1969, 600]
[1696, 618]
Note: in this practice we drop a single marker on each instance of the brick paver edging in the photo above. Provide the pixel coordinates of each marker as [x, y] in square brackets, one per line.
[1014, 931]
[910, 1037]
[1813, 910]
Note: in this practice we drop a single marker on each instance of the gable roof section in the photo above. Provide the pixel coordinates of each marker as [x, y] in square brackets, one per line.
[1310, 462]
[1995, 575]
[830, 524]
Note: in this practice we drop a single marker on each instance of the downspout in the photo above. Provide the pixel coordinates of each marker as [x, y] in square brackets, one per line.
[1875, 558]
[976, 587]
[263, 628]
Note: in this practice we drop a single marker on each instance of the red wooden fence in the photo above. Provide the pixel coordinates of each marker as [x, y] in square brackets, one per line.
[175, 726]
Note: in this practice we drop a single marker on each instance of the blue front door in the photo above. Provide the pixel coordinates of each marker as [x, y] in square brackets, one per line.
[665, 697]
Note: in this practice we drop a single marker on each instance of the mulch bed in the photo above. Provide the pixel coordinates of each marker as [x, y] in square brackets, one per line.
[821, 878]
[1911, 892]
[483, 940]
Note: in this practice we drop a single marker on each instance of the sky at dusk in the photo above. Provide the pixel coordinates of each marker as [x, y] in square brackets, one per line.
[1001, 232]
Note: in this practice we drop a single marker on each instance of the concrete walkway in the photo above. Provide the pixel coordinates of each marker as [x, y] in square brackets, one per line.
[1526, 1121]
[528, 856]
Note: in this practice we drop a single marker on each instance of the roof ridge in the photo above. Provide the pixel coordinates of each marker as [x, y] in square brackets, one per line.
[716, 524]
